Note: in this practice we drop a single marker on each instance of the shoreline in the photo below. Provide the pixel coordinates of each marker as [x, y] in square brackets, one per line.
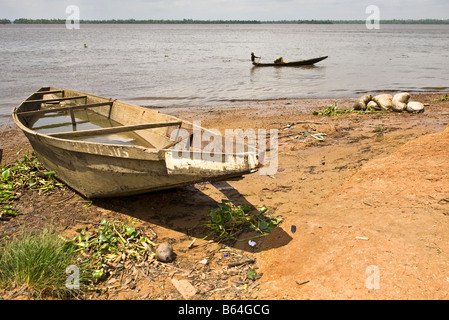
[255, 102]
[247, 103]
[220, 21]
[350, 209]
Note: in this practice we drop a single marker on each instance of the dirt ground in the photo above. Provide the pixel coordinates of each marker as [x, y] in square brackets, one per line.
[365, 210]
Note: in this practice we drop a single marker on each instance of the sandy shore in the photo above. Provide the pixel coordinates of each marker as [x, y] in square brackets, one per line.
[367, 206]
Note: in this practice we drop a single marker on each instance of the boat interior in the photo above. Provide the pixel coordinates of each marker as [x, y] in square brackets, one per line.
[72, 115]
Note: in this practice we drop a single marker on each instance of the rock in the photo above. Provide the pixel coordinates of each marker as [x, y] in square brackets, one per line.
[415, 107]
[362, 102]
[385, 101]
[373, 105]
[400, 101]
[164, 252]
[184, 287]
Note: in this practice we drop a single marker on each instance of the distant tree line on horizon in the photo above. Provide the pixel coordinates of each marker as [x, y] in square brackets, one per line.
[192, 21]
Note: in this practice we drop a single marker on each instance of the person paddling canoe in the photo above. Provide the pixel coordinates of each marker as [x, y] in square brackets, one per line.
[253, 57]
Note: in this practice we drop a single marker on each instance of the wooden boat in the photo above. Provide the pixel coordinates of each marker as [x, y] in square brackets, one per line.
[290, 63]
[102, 147]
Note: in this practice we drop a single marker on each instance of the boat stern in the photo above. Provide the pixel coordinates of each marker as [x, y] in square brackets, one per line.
[210, 165]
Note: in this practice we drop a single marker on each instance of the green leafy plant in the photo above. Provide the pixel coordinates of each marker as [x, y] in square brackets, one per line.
[25, 173]
[252, 275]
[228, 221]
[443, 98]
[111, 243]
[333, 110]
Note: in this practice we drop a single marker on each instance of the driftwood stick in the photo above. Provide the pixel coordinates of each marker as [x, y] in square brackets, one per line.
[299, 122]
[239, 263]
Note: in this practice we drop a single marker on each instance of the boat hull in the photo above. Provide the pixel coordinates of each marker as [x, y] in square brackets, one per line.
[98, 170]
[291, 64]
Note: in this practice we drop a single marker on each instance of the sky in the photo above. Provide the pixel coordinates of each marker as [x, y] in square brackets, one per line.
[225, 9]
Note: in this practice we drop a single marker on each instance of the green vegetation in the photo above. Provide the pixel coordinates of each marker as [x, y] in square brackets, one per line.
[253, 275]
[393, 21]
[378, 129]
[25, 173]
[39, 21]
[443, 98]
[192, 21]
[112, 243]
[5, 21]
[334, 111]
[228, 221]
[134, 21]
[39, 261]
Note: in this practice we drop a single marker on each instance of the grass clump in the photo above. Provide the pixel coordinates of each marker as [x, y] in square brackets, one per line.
[39, 261]
[228, 221]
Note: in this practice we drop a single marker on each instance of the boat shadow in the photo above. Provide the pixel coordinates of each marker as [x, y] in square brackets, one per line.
[181, 214]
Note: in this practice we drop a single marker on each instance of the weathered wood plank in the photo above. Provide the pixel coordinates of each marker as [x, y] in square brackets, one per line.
[78, 107]
[55, 99]
[49, 92]
[112, 130]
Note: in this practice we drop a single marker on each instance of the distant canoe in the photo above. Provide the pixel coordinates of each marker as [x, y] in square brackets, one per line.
[291, 63]
[103, 147]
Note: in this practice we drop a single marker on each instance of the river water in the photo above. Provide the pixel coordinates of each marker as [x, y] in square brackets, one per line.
[209, 65]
